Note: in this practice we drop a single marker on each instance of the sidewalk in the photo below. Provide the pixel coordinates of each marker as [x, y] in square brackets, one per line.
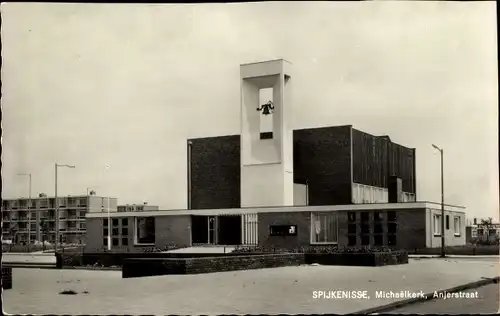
[29, 258]
[267, 291]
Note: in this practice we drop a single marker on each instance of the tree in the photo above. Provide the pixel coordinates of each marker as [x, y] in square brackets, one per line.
[44, 230]
[12, 233]
[486, 225]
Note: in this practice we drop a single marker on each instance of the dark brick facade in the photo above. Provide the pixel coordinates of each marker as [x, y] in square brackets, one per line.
[215, 172]
[322, 157]
[169, 231]
[409, 225]
[301, 219]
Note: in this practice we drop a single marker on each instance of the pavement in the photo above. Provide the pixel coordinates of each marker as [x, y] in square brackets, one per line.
[29, 258]
[288, 290]
[482, 300]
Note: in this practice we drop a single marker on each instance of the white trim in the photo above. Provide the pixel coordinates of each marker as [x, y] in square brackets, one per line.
[282, 209]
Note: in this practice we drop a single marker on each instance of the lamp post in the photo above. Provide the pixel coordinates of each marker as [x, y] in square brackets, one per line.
[442, 202]
[29, 206]
[57, 204]
[109, 218]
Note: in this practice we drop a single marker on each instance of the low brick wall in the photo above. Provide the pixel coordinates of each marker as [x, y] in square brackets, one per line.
[6, 278]
[135, 267]
[117, 259]
[374, 259]
[465, 250]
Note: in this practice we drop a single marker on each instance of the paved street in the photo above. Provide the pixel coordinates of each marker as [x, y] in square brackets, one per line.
[281, 290]
[486, 303]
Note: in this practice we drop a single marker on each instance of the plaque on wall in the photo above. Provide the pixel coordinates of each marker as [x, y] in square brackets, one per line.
[283, 230]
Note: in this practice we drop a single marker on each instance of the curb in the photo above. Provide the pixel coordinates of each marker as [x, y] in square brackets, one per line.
[29, 266]
[453, 257]
[427, 297]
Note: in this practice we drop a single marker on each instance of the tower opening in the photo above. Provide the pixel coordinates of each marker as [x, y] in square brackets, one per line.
[266, 117]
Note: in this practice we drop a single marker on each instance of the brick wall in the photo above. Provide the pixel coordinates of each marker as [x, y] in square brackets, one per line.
[301, 219]
[410, 229]
[173, 230]
[149, 267]
[207, 265]
[169, 230]
[215, 172]
[93, 234]
[322, 156]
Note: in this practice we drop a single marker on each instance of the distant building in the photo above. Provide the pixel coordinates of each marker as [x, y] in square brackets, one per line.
[38, 219]
[482, 232]
[137, 207]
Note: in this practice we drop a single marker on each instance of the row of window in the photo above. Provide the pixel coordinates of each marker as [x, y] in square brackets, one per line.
[325, 228]
[116, 222]
[24, 214]
[377, 216]
[144, 231]
[116, 231]
[437, 224]
[82, 202]
[115, 241]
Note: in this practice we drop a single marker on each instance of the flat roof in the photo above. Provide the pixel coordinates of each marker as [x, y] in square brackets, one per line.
[59, 197]
[283, 209]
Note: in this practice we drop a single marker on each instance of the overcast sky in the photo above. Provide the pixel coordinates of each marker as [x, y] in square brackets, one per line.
[124, 85]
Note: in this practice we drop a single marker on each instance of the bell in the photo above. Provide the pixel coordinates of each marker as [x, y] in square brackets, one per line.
[265, 110]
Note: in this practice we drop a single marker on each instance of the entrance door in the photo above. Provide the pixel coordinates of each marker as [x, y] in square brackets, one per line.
[199, 230]
[212, 228]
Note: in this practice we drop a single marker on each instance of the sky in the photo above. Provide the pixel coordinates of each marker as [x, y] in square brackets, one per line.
[125, 85]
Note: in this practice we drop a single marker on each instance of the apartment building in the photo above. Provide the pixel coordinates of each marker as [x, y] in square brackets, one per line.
[35, 219]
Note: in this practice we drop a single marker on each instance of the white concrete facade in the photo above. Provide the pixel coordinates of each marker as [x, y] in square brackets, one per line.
[362, 193]
[300, 194]
[454, 234]
[266, 164]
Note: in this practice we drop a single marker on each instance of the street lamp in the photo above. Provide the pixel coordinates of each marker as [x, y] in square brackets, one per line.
[442, 202]
[57, 204]
[29, 206]
[109, 218]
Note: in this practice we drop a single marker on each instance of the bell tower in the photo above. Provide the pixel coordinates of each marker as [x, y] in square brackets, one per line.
[266, 135]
